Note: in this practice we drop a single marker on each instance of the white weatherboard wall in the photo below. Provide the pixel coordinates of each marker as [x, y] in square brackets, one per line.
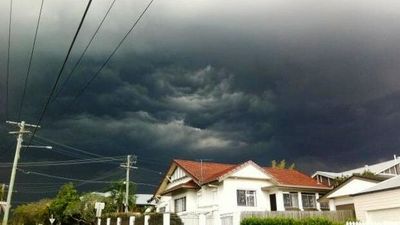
[248, 177]
[250, 172]
[191, 201]
[228, 198]
[381, 206]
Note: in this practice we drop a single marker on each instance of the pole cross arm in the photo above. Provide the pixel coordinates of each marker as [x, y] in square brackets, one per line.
[20, 132]
[20, 124]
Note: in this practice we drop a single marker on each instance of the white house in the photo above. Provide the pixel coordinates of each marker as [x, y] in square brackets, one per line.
[212, 190]
[380, 203]
[386, 169]
[340, 197]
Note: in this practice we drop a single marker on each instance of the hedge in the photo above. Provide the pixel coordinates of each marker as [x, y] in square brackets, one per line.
[287, 221]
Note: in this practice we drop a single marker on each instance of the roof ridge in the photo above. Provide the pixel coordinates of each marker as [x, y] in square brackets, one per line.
[207, 162]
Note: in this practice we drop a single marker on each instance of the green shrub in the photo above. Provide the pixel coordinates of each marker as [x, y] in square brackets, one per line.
[287, 221]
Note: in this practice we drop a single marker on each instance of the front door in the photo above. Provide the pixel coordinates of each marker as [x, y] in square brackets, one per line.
[272, 200]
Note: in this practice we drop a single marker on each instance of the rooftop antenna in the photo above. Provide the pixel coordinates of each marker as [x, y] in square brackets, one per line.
[201, 168]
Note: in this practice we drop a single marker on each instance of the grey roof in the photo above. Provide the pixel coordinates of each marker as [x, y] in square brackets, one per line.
[141, 199]
[374, 168]
[392, 183]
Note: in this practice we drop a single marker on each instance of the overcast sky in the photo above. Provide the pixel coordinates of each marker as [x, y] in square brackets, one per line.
[313, 82]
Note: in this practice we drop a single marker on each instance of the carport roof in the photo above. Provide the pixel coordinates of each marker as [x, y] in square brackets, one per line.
[390, 184]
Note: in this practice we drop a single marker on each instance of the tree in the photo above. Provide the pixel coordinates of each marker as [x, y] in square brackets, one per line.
[118, 195]
[2, 191]
[67, 195]
[339, 180]
[84, 211]
[369, 174]
[281, 165]
[32, 213]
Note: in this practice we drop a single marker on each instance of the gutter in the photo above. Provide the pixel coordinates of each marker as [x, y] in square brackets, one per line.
[375, 191]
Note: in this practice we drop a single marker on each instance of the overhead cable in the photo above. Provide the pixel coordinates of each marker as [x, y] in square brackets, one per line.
[21, 105]
[83, 53]
[93, 77]
[59, 73]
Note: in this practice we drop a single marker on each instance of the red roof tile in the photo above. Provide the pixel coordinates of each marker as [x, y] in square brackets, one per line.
[208, 172]
[293, 177]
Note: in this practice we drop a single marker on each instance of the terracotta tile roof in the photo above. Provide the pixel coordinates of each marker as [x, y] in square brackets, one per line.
[293, 178]
[207, 172]
[212, 171]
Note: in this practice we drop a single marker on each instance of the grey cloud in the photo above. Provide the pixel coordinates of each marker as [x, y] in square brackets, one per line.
[309, 81]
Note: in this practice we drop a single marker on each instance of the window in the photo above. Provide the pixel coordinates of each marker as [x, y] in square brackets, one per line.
[324, 206]
[308, 200]
[291, 200]
[180, 205]
[246, 198]
[162, 209]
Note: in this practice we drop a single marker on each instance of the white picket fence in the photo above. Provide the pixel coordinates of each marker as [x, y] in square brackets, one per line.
[380, 223]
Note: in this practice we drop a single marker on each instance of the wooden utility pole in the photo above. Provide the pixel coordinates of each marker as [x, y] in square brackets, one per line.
[20, 139]
[128, 166]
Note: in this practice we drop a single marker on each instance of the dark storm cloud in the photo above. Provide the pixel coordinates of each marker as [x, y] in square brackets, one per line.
[309, 81]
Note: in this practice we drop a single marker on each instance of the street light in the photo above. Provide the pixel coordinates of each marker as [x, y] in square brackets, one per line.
[37, 146]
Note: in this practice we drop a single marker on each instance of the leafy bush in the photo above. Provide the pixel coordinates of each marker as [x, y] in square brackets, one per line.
[287, 221]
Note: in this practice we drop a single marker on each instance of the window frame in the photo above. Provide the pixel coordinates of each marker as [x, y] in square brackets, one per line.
[183, 200]
[292, 196]
[305, 198]
[248, 195]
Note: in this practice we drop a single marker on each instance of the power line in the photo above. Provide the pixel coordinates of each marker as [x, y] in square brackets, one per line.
[63, 163]
[60, 72]
[63, 178]
[63, 152]
[8, 59]
[21, 105]
[78, 180]
[102, 177]
[68, 146]
[81, 91]
[84, 52]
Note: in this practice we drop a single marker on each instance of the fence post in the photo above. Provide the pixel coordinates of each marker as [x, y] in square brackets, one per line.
[98, 221]
[108, 221]
[166, 219]
[131, 220]
[146, 219]
[236, 218]
[118, 220]
[202, 219]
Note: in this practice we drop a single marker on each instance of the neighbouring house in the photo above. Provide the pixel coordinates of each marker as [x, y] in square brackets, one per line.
[386, 169]
[379, 203]
[216, 189]
[142, 200]
[340, 197]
